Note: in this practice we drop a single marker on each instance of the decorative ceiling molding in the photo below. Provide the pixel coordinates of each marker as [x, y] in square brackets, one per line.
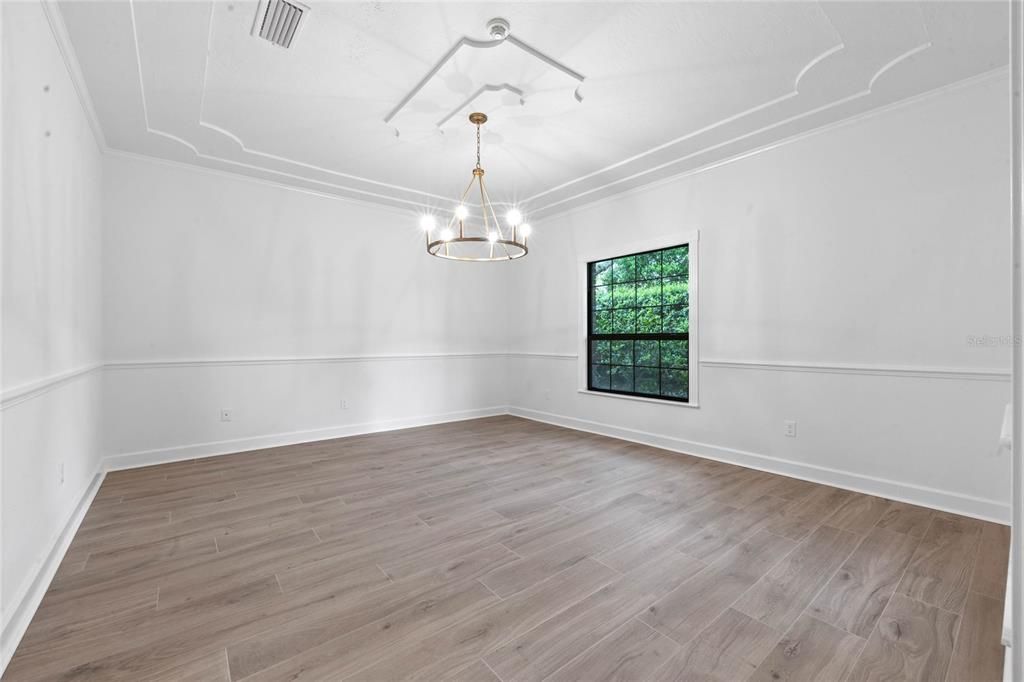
[283, 159]
[194, 149]
[467, 42]
[486, 88]
[472, 98]
[795, 91]
[430, 200]
[998, 72]
[814, 62]
[901, 58]
[842, 100]
[881, 68]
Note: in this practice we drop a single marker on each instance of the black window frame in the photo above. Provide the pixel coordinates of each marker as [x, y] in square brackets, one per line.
[675, 336]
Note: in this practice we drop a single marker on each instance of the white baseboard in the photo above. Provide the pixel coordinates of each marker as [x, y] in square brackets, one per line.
[28, 598]
[915, 494]
[905, 492]
[143, 458]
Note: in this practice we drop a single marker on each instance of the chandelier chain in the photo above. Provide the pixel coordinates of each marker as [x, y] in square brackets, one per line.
[477, 145]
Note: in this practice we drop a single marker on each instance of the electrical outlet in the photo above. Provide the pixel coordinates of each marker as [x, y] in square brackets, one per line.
[789, 428]
[60, 473]
[344, 404]
[225, 415]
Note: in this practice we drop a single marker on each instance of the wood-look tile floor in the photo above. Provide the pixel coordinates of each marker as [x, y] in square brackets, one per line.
[503, 549]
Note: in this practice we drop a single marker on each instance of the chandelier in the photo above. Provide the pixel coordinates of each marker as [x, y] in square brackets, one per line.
[477, 234]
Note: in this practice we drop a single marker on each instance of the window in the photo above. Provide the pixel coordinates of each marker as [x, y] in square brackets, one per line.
[638, 324]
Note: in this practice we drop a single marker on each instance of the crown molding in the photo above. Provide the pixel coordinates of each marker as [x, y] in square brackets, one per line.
[839, 47]
[992, 74]
[150, 129]
[751, 133]
[114, 153]
[284, 159]
[67, 52]
[794, 91]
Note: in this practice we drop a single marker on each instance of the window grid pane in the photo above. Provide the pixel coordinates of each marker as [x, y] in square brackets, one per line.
[638, 324]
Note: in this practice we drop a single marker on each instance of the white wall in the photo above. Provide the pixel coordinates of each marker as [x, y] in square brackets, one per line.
[229, 293]
[51, 309]
[867, 254]
[843, 273]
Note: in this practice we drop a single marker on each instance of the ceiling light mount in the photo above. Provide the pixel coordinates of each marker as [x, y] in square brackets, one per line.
[477, 235]
[498, 28]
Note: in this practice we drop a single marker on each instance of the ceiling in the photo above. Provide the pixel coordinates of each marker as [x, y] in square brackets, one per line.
[586, 100]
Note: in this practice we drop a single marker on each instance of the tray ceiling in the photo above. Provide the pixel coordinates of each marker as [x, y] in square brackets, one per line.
[589, 99]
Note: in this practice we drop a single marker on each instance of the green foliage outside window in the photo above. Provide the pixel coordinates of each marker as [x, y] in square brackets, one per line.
[639, 324]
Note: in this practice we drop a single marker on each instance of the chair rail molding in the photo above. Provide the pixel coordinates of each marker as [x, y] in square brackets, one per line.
[905, 371]
[25, 392]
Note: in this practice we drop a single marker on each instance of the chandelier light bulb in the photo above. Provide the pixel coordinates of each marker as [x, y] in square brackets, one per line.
[447, 234]
[427, 223]
[492, 237]
[525, 229]
[461, 212]
[514, 217]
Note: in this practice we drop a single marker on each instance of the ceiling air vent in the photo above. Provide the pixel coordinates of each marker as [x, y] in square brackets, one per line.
[279, 21]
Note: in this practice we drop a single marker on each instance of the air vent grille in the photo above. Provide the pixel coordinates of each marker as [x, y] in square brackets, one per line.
[278, 21]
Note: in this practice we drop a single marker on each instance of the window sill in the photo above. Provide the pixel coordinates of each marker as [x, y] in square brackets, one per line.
[671, 403]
